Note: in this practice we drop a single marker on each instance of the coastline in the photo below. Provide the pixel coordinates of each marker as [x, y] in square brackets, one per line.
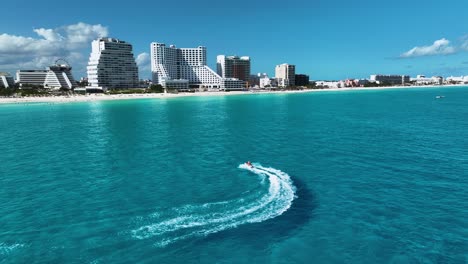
[106, 97]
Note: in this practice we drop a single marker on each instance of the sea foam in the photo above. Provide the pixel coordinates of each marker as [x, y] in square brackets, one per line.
[201, 220]
[8, 248]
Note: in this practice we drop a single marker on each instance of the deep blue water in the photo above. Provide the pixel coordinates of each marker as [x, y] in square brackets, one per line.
[340, 177]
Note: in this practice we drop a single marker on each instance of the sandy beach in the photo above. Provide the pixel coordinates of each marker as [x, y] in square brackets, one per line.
[104, 97]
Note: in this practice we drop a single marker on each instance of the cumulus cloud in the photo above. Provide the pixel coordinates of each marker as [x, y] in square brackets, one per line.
[82, 34]
[48, 34]
[439, 47]
[69, 42]
[144, 63]
[142, 59]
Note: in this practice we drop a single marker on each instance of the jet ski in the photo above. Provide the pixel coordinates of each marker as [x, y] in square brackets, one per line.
[248, 163]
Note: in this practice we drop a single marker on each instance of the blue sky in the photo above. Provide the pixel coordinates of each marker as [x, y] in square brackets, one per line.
[325, 39]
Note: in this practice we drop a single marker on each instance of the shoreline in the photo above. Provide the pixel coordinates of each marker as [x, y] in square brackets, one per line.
[107, 97]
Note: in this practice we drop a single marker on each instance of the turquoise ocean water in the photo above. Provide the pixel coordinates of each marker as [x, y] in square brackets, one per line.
[340, 177]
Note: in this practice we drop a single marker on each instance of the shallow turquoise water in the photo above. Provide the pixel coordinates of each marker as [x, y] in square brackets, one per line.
[341, 177]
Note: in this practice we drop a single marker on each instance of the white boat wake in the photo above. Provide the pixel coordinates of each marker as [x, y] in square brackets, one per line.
[201, 220]
[6, 249]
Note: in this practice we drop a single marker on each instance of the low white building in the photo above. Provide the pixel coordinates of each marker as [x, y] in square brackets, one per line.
[54, 77]
[423, 80]
[329, 84]
[283, 82]
[31, 77]
[180, 85]
[267, 82]
[232, 84]
[461, 79]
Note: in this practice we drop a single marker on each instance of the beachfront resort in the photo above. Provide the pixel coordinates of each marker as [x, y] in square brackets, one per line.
[112, 70]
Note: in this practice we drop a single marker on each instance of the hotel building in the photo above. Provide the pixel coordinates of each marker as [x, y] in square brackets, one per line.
[461, 79]
[54, 77]
[31, 77]
[391, 79]
[285, 74]
[267, 82]
[423, 80]
[170, 63]
[59, 76]
[233, 67]
[6, 80]
[112, 65]
[179, 84]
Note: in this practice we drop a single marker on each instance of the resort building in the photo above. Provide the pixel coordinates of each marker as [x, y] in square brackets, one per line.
[355, 82]
[171, 63]
[54, 77]
[267, 82]
[59, 76]
[182, 63]
[329, 84]
[285, 74]
[301, 79]
[31, 77]
[232, 84]
[6, 80]
[390, 79]
[233, 67]
[423, 80]
[457, 80]
[180, 85]
[112, 65]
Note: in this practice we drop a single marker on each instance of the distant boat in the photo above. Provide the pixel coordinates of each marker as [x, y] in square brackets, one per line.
[439, 96]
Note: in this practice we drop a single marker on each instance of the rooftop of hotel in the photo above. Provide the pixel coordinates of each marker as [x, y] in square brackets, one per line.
[107, 39]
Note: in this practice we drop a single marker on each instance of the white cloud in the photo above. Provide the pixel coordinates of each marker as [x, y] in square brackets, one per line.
[68, 42]
[82, 34]
[142, 59]
[48, 34]
[439, 47]
[11, 45]
[144, 64]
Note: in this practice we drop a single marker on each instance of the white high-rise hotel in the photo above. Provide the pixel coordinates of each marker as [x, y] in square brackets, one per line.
[112, 65]
[169, 64]
[285, 74]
